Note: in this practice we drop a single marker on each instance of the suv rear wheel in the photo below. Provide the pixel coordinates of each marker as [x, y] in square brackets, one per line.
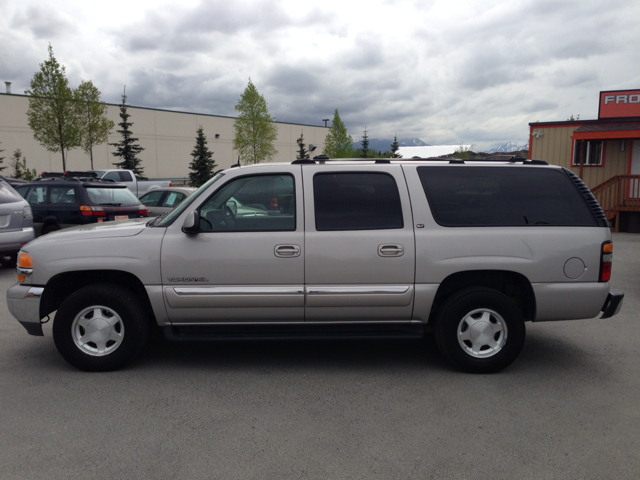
[100, 328]
[480, 330]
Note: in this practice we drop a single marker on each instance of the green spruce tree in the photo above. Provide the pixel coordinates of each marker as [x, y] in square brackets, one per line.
[127, 149]
[2, 160]
[365, 144]
[19, 164]
[254, 131]
[395, 147]
[302, 151]
[338, 143]
[202, 164]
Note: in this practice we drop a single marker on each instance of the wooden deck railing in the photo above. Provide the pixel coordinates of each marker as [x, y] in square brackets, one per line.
[618, 194]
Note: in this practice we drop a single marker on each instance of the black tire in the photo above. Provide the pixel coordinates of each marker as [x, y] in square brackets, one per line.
[50, 228]
[9, 261]
[103, 316]
[495, 340]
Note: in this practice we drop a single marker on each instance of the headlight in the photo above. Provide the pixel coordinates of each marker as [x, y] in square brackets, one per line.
[25, 266]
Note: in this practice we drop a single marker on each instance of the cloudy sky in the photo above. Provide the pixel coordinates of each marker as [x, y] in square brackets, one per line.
[447, 72]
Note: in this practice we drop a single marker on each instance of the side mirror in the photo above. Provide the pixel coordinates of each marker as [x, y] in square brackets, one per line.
[191, 222]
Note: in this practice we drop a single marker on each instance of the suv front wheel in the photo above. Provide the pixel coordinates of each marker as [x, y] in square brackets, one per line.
[100, 327]
[480, 330]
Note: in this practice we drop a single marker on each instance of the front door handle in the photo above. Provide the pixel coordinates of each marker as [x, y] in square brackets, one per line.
[390, 250]
[285, 251]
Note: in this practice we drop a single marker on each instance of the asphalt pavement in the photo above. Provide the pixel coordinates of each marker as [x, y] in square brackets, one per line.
[568, 408]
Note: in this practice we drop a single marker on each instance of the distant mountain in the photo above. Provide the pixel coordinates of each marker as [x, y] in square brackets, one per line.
[509, 147]
[384, 144]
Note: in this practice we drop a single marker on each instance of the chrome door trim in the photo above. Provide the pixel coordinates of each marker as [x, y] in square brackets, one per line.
[361, 290]
[359, 296]
[226, 290]
[234, 297]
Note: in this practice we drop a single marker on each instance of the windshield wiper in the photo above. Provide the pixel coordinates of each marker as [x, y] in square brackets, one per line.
[155, 221]
[112, 204]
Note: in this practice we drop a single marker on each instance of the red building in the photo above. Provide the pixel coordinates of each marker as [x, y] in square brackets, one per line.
[605, 153]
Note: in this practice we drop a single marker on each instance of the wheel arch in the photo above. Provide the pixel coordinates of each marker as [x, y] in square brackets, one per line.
[48, 222]
[59, 287]
[512, 284]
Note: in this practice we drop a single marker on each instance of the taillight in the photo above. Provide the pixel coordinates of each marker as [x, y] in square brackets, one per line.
[143, 211]
[606, 259]
[87, 211]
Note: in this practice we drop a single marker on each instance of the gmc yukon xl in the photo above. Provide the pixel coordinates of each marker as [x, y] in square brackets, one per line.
[468, 250]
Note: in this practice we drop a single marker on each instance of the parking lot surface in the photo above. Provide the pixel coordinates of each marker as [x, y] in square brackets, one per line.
[568, 408]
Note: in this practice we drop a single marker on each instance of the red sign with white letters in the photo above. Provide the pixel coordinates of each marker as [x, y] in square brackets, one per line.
[619, 104]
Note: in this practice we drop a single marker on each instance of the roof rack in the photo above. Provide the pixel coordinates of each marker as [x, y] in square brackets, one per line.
[321, 159]
[69, 174]
[76, 176]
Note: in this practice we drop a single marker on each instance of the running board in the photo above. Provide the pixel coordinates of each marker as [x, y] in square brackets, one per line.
[316, 331]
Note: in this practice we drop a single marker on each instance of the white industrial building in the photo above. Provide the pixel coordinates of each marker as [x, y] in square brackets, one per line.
[168, 138]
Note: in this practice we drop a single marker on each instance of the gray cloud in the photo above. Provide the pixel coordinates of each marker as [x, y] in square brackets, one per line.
[44, 22]
[477, 73]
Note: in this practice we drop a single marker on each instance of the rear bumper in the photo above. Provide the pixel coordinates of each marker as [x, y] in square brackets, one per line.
[612, 304]
[11, 242]
[24, 304]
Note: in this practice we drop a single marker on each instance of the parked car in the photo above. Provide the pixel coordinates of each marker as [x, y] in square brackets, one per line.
[61, 202]
[163, 200]
[14, 182]
[138, 187]
[334, 249]
[16, 224]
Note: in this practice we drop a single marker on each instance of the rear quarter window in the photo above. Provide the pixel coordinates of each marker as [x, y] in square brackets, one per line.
[461, 196]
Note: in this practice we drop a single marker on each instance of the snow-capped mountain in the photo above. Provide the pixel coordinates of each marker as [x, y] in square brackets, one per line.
[509, 147]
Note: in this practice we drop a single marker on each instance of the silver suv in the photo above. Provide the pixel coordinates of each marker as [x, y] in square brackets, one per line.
[16, 224]
[332, 249]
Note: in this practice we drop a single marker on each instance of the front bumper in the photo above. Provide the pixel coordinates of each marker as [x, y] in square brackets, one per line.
[24, 304]
[613, 304]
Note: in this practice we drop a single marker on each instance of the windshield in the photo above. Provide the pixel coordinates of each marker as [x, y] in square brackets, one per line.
[176, 212]
[111, 196]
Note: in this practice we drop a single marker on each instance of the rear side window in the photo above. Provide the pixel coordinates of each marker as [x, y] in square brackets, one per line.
[112, 176]
[356, 201]
[151, 199]
[22, 190]
[172, 199]
[503, 196]
[37, 196]
[63, 195]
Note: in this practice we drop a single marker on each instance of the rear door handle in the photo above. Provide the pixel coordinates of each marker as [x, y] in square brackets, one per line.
[390, 250]
[285, 251]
